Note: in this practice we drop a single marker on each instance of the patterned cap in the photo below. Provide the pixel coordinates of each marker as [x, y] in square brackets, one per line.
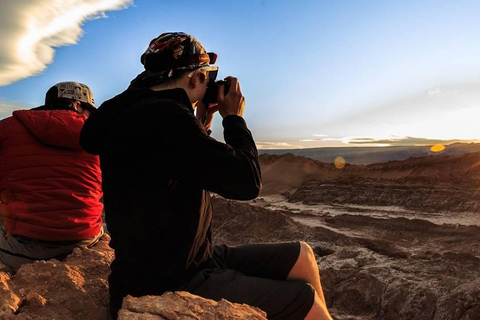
[71, 90]
[176, 51]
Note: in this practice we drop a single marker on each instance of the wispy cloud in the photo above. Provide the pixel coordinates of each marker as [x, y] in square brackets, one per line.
[6, 108]
[444, 112]
[439, 91]
[365, 141]
[31, 30]
[276, 145]
[400, 141]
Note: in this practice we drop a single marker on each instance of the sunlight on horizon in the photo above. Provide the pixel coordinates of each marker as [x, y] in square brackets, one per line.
[437, 148]
[358, 142]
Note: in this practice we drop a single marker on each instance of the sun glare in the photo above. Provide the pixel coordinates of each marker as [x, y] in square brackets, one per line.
[437, 148]
[339, 162]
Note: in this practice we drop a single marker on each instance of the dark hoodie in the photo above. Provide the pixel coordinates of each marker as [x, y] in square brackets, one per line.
[158, 164]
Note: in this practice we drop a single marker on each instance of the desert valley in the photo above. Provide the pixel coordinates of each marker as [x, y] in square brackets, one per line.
[394, 240]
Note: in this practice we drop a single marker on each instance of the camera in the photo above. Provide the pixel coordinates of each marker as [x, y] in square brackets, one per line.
[211, 93]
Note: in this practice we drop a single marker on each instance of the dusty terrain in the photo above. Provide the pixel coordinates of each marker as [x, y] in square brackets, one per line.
[393, 267]
[399, 240]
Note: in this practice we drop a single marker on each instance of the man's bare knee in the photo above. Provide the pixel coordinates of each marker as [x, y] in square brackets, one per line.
[307, 252]
[306, 269]
[305, 265]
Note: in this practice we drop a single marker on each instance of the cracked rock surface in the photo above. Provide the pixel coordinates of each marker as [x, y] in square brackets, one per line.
[183, 305]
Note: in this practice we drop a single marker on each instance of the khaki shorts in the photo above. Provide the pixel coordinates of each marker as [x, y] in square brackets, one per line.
[16, 251]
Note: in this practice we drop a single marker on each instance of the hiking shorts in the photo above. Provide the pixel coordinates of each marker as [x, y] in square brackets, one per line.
[256, 274]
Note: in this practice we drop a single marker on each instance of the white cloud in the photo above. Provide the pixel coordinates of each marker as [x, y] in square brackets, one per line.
[276, 145]
[6, 108]
[31, 30]
[441, 91]
[446, 112]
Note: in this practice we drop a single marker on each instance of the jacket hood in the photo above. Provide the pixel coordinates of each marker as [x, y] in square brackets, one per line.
[93, 137]
[59, 128]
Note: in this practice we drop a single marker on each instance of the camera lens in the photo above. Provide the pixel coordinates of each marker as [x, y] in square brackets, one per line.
[211, 93]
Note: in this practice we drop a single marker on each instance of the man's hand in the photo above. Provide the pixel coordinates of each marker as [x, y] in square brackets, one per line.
[205, 115]
[233, 103]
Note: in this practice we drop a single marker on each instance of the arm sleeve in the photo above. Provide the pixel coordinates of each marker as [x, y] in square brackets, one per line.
[94, 132]
[93, 137]
[230, 169]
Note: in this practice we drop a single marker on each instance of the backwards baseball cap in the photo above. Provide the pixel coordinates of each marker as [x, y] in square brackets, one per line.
[70, 90]
[176, 51]
[170, 52]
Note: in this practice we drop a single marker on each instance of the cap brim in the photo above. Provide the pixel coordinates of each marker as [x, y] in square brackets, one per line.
[209, 68]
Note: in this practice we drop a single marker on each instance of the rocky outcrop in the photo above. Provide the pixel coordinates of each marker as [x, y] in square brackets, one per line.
[428, 198]
[436, 183]
[183, 305]
[374, 268]
[385, 267]
[371, 268]
[403, 269]
[76, 288]
[287, 172]
[9, 299]
[237, 223]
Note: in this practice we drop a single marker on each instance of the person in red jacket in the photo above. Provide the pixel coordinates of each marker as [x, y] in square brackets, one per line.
[50, 189]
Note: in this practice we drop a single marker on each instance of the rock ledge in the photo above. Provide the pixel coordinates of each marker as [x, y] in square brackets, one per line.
[183, 305]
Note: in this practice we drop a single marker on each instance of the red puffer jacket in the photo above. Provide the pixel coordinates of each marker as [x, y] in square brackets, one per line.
[50, 188]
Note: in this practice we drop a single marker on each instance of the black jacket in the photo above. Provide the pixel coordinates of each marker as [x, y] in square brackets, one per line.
[158, 164]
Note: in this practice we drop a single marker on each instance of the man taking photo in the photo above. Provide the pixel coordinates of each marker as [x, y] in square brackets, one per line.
[159, 164]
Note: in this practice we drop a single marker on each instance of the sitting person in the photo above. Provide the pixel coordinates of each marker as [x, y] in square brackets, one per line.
[50, 189]
[159, 164]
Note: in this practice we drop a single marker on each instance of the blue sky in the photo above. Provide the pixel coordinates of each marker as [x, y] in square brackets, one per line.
[314, 73]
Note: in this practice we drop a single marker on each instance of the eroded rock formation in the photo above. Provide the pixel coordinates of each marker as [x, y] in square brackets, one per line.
[373, 267]
[76, 288]
[391, 265]
[183, 305]
[431, 184]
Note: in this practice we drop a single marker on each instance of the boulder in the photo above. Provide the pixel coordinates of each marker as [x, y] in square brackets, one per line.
[183, 305]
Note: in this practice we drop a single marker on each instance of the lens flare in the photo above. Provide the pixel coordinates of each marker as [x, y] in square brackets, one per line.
[437, 148]
[339, 162]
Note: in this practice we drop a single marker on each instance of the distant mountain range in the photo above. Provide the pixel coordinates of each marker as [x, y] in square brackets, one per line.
[369, 155]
